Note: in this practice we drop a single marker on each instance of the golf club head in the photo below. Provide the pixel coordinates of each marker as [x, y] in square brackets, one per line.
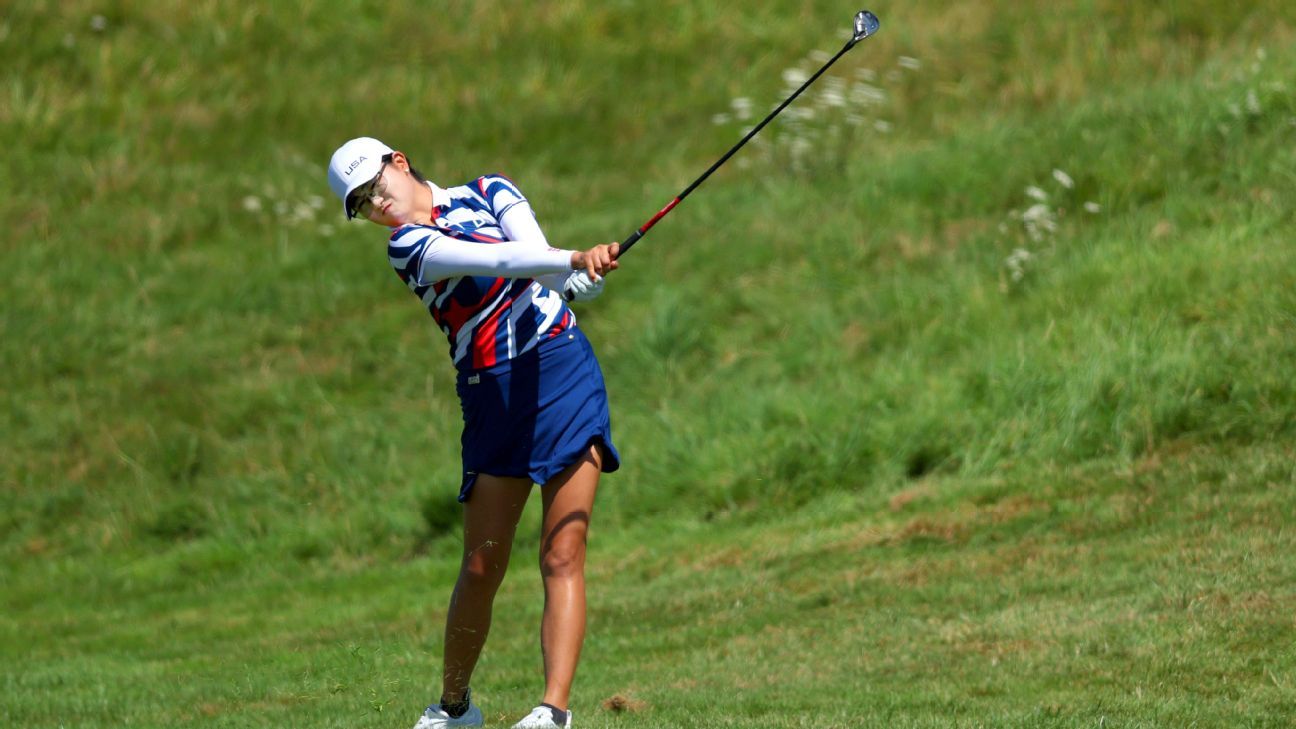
[866, 24]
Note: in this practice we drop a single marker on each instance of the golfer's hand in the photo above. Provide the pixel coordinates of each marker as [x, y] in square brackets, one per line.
[580, 287]
[597, 261]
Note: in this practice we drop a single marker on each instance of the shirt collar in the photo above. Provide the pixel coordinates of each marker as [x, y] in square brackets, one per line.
[440, 198]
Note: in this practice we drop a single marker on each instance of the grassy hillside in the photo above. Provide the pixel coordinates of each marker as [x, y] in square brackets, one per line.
[961, 398]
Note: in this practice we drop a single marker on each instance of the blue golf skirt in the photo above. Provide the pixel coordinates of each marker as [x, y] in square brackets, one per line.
[536, 414]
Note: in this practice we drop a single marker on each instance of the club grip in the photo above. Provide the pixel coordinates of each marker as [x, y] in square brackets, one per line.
[631, 240]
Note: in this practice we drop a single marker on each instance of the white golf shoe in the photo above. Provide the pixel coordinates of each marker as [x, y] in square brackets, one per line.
[545, 717]
[434, 717]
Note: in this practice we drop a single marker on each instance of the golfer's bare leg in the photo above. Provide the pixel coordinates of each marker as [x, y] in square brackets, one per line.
[490, 517]
[568, 504]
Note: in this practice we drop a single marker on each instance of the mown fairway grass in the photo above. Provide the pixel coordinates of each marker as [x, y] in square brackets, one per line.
[961, 399]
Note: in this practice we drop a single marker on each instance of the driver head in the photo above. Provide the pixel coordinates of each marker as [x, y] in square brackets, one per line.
[866, 24]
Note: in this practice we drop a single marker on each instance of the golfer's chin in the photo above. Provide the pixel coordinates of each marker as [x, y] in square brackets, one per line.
[390, 218]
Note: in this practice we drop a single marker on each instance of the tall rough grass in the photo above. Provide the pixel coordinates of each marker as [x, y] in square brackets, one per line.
[983, 245]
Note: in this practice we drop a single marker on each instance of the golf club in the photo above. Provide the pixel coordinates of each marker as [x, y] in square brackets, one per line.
[865, 25]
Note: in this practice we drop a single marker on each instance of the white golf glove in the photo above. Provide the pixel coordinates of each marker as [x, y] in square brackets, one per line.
[579, 287]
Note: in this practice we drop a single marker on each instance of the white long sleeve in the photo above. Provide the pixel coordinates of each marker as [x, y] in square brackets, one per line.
[445, 257]
[519, 224]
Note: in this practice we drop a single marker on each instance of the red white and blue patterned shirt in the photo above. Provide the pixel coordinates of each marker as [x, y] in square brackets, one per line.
[485, 272]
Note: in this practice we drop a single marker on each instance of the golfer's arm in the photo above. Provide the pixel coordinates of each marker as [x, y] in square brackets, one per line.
[447, 257]
[519, 224]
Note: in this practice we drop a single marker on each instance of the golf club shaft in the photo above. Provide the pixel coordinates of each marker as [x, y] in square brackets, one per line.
[635, 236]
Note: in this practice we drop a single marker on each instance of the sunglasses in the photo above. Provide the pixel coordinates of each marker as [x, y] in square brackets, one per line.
[361, 199]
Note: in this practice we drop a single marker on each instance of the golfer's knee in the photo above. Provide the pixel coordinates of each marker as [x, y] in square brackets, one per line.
[483, 571]
[563, 560]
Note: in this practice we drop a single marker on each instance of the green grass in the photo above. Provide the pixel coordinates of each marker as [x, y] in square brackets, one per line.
[875, 474]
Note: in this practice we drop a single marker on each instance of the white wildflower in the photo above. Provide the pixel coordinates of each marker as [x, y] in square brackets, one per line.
[820, 56]
[316, 202]
[1035, 193]
[1063, 179]
[1235, 110]
[281, 208]
[252, 204]
[302, 212]
[742, 107]
[864, 94]
[98, 23]
[1092, 208]
[1037, 212]
[834, 92]
[326, 230]
[794, 77]
[1016, 263]
[867, 74]
[1039, 222]
[720, 119]
[911, 63]
[883, 126]
[1252, 102]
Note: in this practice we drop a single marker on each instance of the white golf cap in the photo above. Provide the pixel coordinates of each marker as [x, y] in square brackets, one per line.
[354, 164]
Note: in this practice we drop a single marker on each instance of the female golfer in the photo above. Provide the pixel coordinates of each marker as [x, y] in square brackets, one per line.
[534, 404]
